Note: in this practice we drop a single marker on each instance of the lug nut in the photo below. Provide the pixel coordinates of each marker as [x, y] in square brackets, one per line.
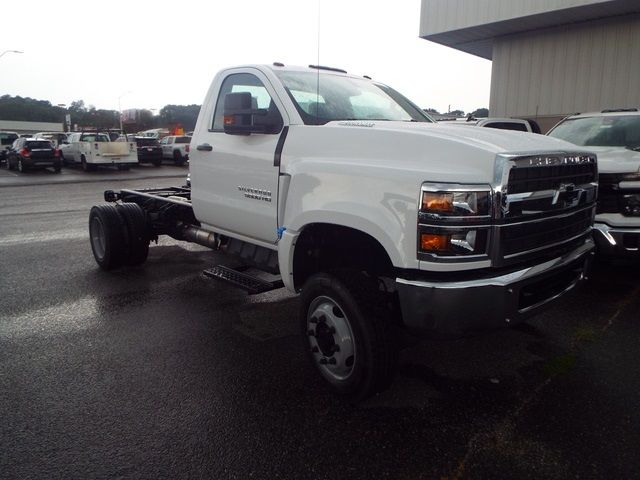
[332, 361]
[336, 348]
[315, 350]
[323, 361]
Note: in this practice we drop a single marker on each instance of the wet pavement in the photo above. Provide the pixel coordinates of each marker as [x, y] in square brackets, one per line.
[160, 372]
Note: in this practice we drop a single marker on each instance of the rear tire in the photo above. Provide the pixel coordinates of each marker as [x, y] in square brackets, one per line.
[22, 168]
[85, 166]
[348, 333]
[108, 236]
[9, 167]
[57, 168]
[157, 163]
[135, 219]
[177, 158]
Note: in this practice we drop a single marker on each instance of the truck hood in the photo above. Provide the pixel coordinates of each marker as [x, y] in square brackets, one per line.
[445, 153]
[616, 159]
[491, 140]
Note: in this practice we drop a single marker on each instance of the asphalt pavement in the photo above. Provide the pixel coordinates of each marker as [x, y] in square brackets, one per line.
[159, 372]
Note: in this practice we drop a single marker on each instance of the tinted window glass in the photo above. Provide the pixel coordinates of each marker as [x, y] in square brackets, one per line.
[520, 127]
[605, 131]
[7, 138]
[183, 140]
[146, 142]
[33, 145]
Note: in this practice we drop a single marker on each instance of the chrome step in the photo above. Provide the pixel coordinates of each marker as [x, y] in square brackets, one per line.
[253, 285]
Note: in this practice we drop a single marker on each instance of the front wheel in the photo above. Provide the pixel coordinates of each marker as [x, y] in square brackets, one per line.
[348, 333]
[178, 159]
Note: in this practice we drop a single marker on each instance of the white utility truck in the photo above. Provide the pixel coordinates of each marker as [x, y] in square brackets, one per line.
[94, 149]
[382, 219]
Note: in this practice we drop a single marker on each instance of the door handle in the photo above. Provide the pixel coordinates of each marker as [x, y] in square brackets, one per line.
[204, 147]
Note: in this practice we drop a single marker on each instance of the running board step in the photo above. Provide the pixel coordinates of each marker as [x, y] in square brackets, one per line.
[253, 285]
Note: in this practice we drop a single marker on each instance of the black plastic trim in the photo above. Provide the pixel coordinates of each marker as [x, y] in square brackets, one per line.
[278, 154]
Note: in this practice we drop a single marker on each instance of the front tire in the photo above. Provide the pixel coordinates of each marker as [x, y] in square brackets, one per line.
[177, 158]
[108, 236]
[348, 333]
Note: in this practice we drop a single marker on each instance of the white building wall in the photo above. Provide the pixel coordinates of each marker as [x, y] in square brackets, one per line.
[582, 67]
[447, 15]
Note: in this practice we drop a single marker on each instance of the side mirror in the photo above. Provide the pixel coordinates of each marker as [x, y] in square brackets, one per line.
[240, 118]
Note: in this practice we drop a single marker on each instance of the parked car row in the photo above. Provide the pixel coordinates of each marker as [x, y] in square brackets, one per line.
[90, 150]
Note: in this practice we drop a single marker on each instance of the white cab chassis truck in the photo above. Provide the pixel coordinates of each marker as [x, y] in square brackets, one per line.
[94, 149]
[382, 220]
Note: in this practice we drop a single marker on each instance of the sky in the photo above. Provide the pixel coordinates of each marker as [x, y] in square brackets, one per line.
[147, 54]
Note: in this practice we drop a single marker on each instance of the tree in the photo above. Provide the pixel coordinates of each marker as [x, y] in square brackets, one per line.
[457, 113]
[432, 110]
[185, 115]
[480, 113]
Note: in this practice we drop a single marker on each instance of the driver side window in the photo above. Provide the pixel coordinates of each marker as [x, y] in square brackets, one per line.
[243, 82]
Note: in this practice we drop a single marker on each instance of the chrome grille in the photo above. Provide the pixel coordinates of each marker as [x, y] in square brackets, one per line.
[545, 201]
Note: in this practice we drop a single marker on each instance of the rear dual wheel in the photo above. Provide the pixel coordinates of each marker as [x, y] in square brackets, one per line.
[119, 235]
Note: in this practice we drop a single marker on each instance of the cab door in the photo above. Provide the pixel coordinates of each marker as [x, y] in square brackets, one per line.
[234, 177]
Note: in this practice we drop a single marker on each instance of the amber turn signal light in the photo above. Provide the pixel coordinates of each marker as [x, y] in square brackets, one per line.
[229, 120]
[431, 242]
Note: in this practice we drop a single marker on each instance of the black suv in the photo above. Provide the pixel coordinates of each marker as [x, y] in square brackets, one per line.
[28, 153]
[149, 150]
[6, 140]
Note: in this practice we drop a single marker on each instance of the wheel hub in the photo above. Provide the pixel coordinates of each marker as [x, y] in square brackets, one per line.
[331, 339]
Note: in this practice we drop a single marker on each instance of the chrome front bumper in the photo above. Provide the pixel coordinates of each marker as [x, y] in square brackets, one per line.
[456, 308]
[616, 240]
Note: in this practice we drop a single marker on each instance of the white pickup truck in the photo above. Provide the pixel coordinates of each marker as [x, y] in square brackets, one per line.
[382, 219]
[176, 147]
[615, 136]
[94, 149]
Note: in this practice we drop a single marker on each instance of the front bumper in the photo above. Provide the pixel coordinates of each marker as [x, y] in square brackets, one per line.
[617, 241]
[460, 307]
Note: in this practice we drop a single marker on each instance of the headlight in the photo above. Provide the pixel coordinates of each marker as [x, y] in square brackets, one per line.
[456, 204]
[454, 220]
[631, 205]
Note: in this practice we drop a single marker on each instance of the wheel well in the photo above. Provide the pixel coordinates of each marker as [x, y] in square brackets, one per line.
[323, 247]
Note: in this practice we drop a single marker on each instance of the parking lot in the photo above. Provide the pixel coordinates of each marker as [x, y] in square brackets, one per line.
[158, 372]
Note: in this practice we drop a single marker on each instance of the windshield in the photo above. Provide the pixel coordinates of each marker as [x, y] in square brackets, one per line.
[346, 98]
[605, 131]
[38, 145]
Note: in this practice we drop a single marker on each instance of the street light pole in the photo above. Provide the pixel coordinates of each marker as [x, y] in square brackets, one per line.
[120, 108]
[10, 51]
